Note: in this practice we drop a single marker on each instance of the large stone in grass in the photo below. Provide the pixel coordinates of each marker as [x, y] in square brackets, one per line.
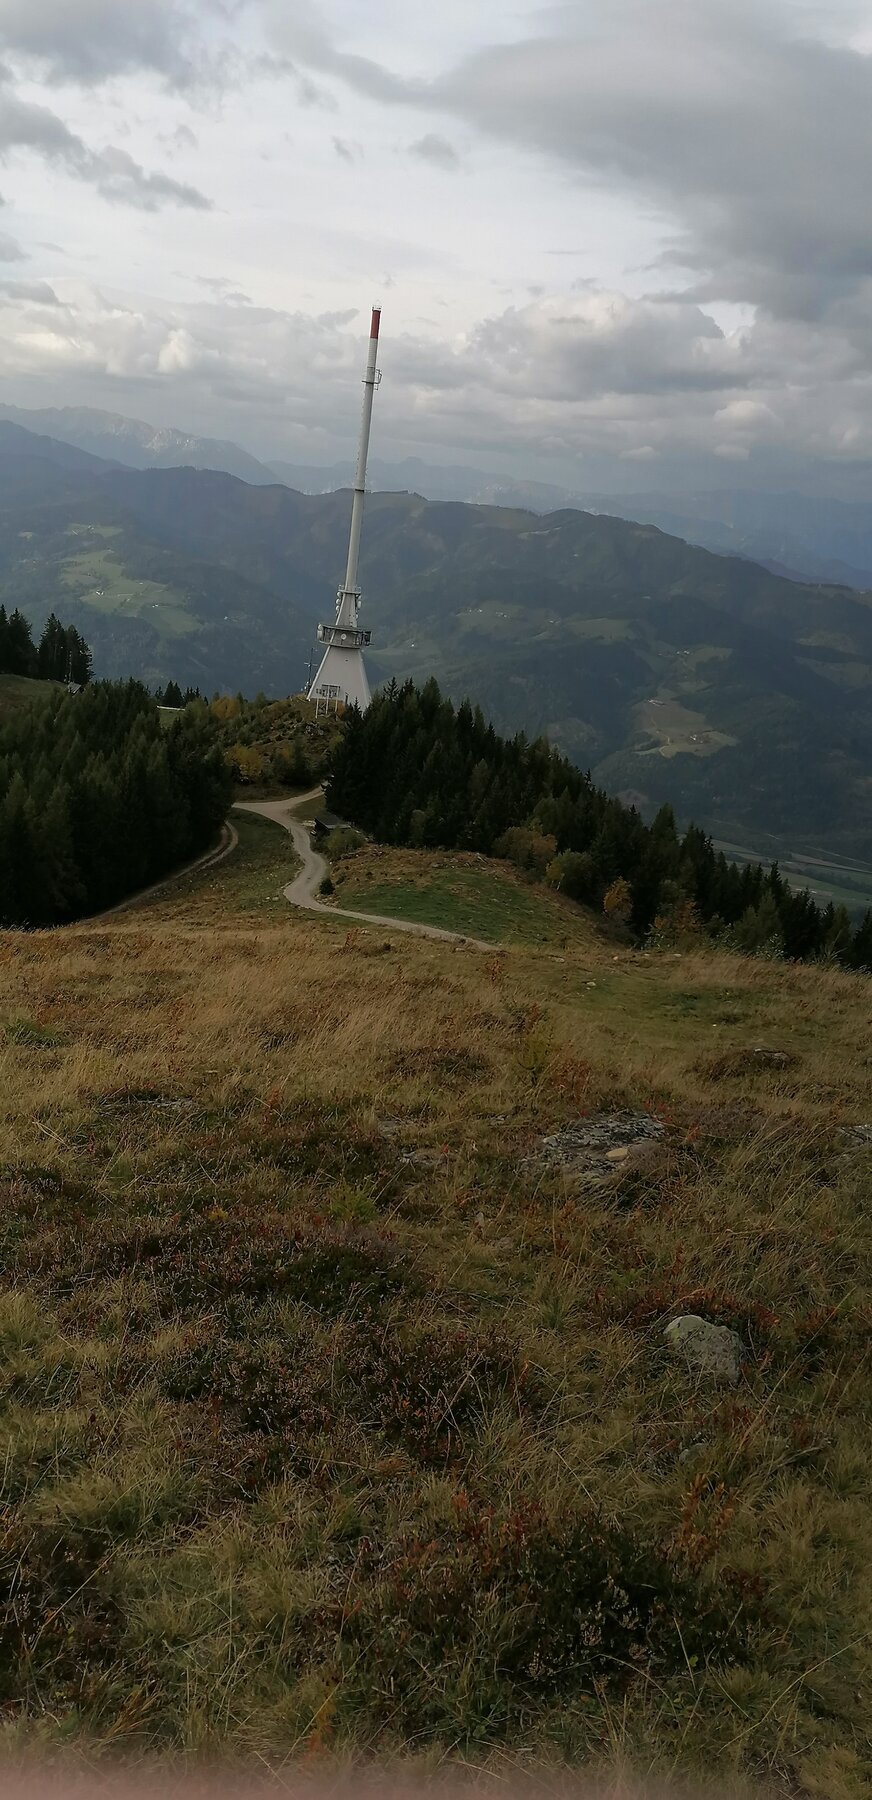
[710, 1352]
[599, 1136]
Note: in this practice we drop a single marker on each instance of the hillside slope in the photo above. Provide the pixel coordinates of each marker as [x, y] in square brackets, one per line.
[17, 692]
[339, 1416]
[744, 698]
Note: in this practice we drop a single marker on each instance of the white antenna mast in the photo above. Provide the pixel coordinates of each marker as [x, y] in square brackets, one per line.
[342, 675]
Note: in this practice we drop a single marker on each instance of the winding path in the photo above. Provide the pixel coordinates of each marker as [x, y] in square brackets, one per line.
[303, 890]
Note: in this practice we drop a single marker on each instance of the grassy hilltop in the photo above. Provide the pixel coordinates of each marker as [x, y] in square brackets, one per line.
[338, 1419]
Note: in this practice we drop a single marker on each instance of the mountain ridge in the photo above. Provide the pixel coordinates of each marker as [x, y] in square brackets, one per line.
[674, 673]
[116, 438]
[802, 536]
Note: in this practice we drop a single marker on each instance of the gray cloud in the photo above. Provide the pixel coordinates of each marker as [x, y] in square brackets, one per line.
[309, 92]
[593, 344]
[10, 250]
[37, 293]
[435, 149]
[299, 31]
[347, 151]
[181, 138]
[93, 39]
[342, 317]
[113, 172]
[752, 139]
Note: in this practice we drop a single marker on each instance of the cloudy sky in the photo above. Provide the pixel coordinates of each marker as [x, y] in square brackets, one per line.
[625, 239]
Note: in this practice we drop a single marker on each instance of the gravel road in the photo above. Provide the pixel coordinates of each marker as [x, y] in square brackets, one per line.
[303, 890]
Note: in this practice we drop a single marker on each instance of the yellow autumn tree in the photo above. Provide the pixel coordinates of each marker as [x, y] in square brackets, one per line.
[618, 901]
[247, 763]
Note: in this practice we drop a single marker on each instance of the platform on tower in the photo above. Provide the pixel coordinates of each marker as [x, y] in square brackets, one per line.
[345, 636]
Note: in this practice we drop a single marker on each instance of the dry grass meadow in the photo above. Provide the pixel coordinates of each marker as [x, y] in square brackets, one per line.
[337, 1422]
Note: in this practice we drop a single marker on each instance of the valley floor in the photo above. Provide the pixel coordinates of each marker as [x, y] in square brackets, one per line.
[338, 1419]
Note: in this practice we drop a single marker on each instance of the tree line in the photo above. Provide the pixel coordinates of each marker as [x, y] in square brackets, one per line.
[416, 770]
[61, 654]
[173, 695]
[97, 800]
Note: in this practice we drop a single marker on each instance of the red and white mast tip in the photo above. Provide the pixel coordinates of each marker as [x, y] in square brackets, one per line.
[376, 320]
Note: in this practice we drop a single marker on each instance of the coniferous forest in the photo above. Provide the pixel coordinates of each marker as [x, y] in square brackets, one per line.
[97, 800]
[414, 770]
[60, 655]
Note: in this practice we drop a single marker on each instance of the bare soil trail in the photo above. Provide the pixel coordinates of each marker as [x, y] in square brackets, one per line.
[303, 890]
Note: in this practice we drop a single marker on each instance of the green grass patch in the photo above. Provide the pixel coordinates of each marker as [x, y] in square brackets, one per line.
[484, 903]
[672, 729]
[31, 1033]
[100, 580]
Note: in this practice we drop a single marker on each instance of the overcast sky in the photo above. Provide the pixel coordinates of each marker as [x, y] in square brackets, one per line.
[626, 235]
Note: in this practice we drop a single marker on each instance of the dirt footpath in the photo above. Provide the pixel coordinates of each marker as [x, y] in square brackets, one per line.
[303, 890]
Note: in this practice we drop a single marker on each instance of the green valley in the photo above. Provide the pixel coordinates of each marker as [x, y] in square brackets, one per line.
[739, 696]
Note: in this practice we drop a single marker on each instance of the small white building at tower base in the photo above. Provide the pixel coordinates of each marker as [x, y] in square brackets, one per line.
[341, 678]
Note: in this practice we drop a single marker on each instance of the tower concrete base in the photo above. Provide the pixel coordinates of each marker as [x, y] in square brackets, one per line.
[342, 677]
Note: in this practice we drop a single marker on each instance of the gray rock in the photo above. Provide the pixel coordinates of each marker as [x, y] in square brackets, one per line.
[856, 1136]
[599, 1134]
[710, 1352]
[692, 1450]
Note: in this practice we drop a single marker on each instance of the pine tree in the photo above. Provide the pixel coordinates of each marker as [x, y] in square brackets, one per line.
[860, 953]
[19, 655]
[78, 658]
[52, 653]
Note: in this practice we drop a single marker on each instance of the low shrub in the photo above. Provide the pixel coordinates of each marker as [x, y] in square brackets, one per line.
[467, 1631]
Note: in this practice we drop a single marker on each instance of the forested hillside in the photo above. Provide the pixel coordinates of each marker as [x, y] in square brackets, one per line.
[60, 655]
[97, 800]
[676, 675]
[412, 770]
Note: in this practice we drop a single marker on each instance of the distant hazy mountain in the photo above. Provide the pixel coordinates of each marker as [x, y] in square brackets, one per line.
[800, 537]
[139, 446]
[803, 538]
[434, 481]
[16, 441]
[812, 539]
[674, 674]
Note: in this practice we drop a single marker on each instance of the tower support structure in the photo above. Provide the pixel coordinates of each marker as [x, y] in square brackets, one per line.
[341, 676]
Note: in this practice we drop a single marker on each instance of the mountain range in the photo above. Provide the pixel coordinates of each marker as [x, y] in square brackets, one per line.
[135, 444]
[674, 674]
[805, 537]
